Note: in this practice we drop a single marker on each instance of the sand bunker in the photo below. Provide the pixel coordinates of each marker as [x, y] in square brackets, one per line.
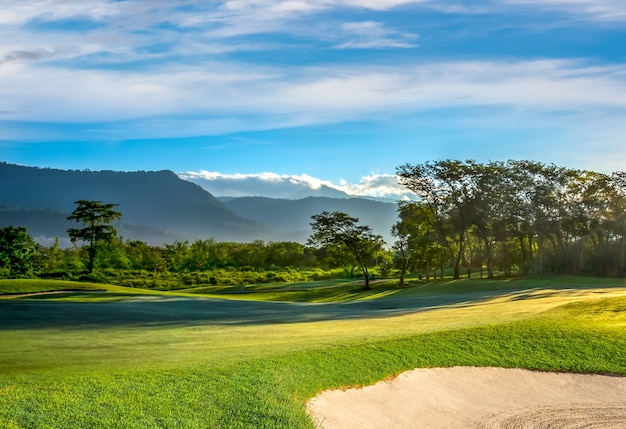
[483, 398]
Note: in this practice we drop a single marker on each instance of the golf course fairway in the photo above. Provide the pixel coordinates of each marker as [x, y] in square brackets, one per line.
[76, 355]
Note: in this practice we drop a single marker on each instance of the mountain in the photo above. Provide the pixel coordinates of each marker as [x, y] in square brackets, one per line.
[159, 207]
[154, 204]
[292, 217]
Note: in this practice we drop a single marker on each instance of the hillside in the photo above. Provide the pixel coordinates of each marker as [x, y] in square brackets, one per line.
[292, 217]
[159, 207]
[155, 204]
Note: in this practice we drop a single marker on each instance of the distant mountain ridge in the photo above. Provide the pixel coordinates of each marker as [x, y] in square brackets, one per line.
[159, 207]
[158, 200]
[293, 217]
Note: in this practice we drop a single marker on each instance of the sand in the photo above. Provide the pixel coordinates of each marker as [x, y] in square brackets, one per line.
[483, 398]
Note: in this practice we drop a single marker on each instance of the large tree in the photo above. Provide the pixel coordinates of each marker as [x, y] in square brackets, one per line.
[342, 230]
[448, 189]
[17, 250]
[417, 243]
[96, 218]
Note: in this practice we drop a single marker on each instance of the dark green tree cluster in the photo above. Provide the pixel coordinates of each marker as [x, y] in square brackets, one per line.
[204, 255]
[516, 215]
[107, 257]
[17, 252]
[177, 257]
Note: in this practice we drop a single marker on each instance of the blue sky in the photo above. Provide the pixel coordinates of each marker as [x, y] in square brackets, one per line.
[333, 91]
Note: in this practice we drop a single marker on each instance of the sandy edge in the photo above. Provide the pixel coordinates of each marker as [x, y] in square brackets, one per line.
[470, 397]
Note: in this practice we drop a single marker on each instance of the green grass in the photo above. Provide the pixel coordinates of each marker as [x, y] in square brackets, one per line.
[20, 286]
[346, 290]
[114, 372]
[9, 287]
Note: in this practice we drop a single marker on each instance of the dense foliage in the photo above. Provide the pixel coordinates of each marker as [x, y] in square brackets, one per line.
[185, 264]
[518, 215]
[17, 251]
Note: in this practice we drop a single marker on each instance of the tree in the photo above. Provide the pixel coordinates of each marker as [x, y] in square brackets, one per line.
[340, 229]
[17, 250]
[50, 260]
[447, 188]
[415, 236]
[96, 217]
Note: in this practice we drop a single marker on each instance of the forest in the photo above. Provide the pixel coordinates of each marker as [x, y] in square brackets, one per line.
[466, 219]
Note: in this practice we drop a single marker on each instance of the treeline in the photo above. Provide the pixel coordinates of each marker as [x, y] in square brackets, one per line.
[519, 216]
[182, 264]
[514, 217]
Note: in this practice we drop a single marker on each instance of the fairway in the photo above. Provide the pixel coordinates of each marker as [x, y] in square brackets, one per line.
[118, 357]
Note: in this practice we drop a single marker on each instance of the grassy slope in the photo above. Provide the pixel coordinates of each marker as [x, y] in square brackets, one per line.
[345, 291]
[260, 375]
[11, 287]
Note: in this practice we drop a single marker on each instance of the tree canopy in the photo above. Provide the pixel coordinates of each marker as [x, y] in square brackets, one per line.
[341, 231]
[96, 218]
[17, 251]
[521, 215]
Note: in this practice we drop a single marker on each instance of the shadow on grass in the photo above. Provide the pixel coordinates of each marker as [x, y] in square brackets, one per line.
[154, 310]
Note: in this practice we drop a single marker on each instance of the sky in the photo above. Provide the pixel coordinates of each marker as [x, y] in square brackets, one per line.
[337, 92]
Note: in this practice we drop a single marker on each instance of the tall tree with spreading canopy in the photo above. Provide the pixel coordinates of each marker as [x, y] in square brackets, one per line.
[447, 188]
[340, 229]
[96, 218]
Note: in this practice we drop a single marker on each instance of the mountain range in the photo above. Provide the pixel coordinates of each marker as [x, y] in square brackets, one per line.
[292, 217]
[159, 207]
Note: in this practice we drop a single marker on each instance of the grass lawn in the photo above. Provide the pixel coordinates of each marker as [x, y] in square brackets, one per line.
[128, 358]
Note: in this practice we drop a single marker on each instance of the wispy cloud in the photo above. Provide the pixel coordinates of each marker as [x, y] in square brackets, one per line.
[160, 69]
[140, 31]
[593, 10]
[371, 34]
[307, 95]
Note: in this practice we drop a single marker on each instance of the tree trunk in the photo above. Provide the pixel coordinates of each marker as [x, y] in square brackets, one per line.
[489, 250]
[405, 265]
[92, 257]
[457, 259]
[523, 250]
[367, 278]
[441, 267]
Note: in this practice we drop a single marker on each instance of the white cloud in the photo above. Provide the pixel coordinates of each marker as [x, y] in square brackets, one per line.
[176, 98]
[304, 179]
[376, 185]
[380, 4]
[131, 26]
[258, 184]
[305, 95]
[289, 186]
